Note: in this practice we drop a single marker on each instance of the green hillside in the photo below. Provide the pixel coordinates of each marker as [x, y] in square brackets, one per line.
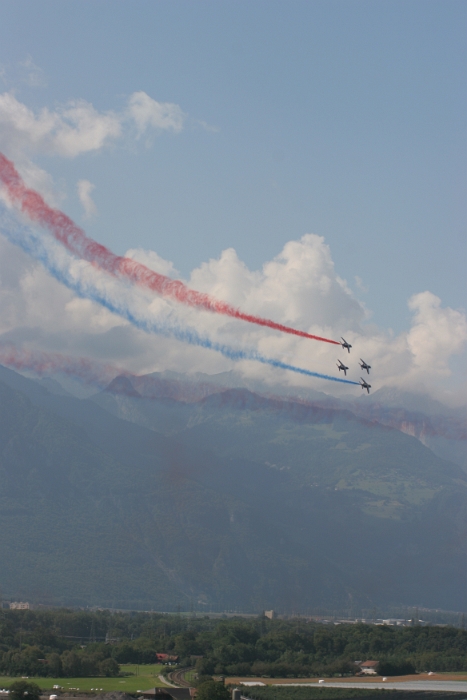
[231, 505]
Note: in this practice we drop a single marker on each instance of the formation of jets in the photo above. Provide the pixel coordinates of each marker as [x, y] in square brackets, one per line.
[340, 365]
[363, 365]
[345, 344]
[364, 385]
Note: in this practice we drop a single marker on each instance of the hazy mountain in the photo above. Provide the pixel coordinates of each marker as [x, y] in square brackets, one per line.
[438, 427]
[235, 380]
[234, 501]
[53, 386]
[421, 403]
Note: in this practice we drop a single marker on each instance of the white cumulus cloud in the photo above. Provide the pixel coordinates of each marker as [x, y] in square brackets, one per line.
[78, 127]
[31, 74]
[85, 188]
[72, 129]
[151, 259]
[436, 334]
[147, 112]
[299, 287]
[68, 131]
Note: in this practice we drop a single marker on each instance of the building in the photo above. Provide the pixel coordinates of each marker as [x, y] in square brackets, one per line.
[169, 693]
[370, 668]
[19, 606]
[396, 622]
[270, 614]
[167, 658]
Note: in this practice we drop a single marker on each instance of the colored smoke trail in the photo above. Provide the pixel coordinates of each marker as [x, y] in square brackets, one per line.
[34, 245]
[414, 423]
[75, 240]
[118, 381]
[47, 363]
[103, 375]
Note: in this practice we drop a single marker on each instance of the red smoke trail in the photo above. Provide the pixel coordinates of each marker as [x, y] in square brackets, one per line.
[308, 412]
[122, 382]
[76, 241]
[47, 363]
[413, 423]
[103, 375]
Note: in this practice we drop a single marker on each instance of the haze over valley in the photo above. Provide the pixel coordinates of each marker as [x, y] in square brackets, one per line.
[233, 332]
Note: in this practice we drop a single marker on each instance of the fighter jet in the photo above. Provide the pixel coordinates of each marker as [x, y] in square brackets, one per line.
[364, 365]
[340, 365]
[364, 385]
[345, 344]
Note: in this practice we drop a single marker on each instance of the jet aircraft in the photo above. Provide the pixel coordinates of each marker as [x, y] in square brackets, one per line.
[340, 365]
[345, 344]
[364, 365]
[364, 385]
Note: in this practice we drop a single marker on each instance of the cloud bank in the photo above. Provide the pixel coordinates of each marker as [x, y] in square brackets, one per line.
[75, 128]
[300, 285]
[89, 281]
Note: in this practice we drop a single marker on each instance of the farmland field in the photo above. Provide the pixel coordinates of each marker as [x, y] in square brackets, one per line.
[145, 676]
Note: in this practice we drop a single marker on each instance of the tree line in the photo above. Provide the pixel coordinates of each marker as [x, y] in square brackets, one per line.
[67, 643]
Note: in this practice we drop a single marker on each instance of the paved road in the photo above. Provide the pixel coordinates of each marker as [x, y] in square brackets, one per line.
[456, 686]
[166, 682]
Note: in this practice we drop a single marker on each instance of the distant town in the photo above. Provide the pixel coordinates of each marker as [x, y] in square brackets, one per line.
[456, 619]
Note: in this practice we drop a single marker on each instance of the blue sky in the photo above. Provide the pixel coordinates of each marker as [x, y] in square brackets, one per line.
[346, 119]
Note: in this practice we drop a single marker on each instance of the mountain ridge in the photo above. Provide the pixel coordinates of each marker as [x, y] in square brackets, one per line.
[227, 507]
[445, 434]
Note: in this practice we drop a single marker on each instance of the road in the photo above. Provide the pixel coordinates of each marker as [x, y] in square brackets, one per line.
[451, 686]
[166, 682]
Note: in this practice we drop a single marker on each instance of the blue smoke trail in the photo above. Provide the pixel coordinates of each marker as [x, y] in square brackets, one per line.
[32, 244]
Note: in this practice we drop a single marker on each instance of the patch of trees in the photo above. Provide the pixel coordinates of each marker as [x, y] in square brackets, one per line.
[74, 663]
[212, 690]
[283, 649]
[24, 690]
[394, 666]
[59, 643]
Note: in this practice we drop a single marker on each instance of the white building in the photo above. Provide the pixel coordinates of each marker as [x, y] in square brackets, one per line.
[369, 667]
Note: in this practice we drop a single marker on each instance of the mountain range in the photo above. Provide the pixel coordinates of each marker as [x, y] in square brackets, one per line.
[170, 491]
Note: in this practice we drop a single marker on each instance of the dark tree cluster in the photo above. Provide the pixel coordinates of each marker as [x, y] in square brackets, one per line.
[281, 649]
[60, 643]
[75, 663]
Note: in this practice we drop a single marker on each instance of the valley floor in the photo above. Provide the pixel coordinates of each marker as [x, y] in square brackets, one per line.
[417, 681]
[148, 677]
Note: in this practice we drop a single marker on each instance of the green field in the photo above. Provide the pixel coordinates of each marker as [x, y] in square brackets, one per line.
[144, 677]
[191, 676]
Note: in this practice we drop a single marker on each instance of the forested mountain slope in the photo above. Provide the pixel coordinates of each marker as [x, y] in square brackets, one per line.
[233, 503]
